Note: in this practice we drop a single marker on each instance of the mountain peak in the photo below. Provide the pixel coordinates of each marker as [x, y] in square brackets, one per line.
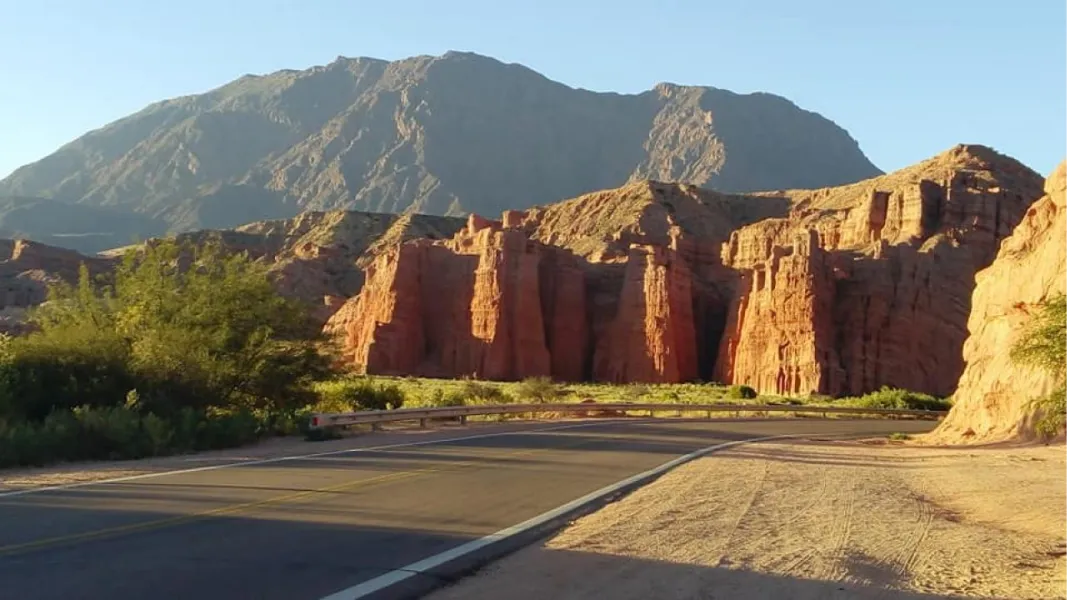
[452, 134]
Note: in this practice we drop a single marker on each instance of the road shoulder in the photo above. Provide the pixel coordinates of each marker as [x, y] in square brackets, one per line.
[812, 520]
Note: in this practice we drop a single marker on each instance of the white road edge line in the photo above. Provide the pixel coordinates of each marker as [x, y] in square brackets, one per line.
[264, 461]
[381, 582]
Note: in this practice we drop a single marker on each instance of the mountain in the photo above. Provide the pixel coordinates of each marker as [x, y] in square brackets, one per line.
[80, 227]
[448, 135]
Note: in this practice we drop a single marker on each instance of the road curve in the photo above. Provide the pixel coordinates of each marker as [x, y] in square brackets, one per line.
[307, 528]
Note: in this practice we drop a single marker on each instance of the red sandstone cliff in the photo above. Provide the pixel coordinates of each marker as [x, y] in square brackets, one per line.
[474, 304]
[991, 400]
[613, 286]
[835, 291]
[869, 284]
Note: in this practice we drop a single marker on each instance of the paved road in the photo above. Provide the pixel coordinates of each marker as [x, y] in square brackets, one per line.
[307, 528]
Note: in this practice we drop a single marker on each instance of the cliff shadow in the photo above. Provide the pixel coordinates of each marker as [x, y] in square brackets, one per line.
[901, 316]
[446, 285]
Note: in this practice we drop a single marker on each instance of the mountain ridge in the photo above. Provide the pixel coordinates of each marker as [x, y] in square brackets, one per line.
[454, 134]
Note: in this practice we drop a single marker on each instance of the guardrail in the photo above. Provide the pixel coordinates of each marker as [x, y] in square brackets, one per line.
[423, 415]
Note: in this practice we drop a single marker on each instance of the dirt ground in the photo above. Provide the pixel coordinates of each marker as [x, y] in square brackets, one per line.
[812, 520]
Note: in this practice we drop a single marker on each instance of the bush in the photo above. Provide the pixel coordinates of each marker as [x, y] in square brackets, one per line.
[357, 393]
[1043, 344]
[635, 392]
[893, 398]
[474, 392]
[119, 432]
[741, 392]
[441, 400]
[181, 348]
[538, 390]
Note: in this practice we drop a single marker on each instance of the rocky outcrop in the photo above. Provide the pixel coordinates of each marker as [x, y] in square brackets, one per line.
[1031, 267]
[490, 302]
[28, 270]
[611, 286]
[834, 291]
[870, 284]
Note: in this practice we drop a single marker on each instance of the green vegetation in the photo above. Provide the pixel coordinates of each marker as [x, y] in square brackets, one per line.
[539, 390]
[899, 437]
[1044, 345]
[345, 394]
[182, 348]
[741, 392]
[894, 398]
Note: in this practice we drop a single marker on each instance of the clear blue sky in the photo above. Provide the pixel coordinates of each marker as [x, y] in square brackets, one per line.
[907, 78]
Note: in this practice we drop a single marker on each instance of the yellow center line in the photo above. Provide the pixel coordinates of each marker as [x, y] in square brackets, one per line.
[12, 549]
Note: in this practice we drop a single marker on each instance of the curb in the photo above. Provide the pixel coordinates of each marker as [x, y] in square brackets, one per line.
[421, 577]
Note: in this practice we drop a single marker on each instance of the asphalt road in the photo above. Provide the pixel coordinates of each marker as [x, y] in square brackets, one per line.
[306, 528]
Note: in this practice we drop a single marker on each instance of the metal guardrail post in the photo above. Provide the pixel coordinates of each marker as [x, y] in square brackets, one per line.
[463, 419]
[422, 423]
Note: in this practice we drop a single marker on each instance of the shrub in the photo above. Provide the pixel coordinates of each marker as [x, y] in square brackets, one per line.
[893, 398]
[899, 437]
[357, 393]
[741, 392]
[539, 390]
[634, 392]
[474, 392]
[440, 399]
[1043, 344]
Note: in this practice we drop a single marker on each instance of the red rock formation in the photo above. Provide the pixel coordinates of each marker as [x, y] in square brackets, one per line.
[991, 402]
[472, 305]
[836, 291]
[785, 313]
[878, 293]
[653, 336]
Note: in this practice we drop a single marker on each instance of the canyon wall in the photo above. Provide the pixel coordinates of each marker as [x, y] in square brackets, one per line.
[869, 284]
[834, 291]
[991, 402]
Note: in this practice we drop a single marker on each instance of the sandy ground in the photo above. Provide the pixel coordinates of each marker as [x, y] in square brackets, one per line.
[811, 520]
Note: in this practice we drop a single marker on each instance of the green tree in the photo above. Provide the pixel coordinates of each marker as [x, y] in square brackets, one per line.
[189, 327]
[1043, 344]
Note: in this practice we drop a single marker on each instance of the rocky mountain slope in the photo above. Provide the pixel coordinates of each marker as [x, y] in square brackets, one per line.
[1031, 267]
[27, 269]
[448, 135]
[835, 291]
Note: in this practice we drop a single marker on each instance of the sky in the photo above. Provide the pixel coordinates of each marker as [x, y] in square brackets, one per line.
[906, 78]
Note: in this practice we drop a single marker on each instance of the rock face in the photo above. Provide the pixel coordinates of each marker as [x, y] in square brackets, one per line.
[472, 304]
[869, 284]
[833, 291]
[599, 287]
[27, 271]
[430, 134]
[1031, 267]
